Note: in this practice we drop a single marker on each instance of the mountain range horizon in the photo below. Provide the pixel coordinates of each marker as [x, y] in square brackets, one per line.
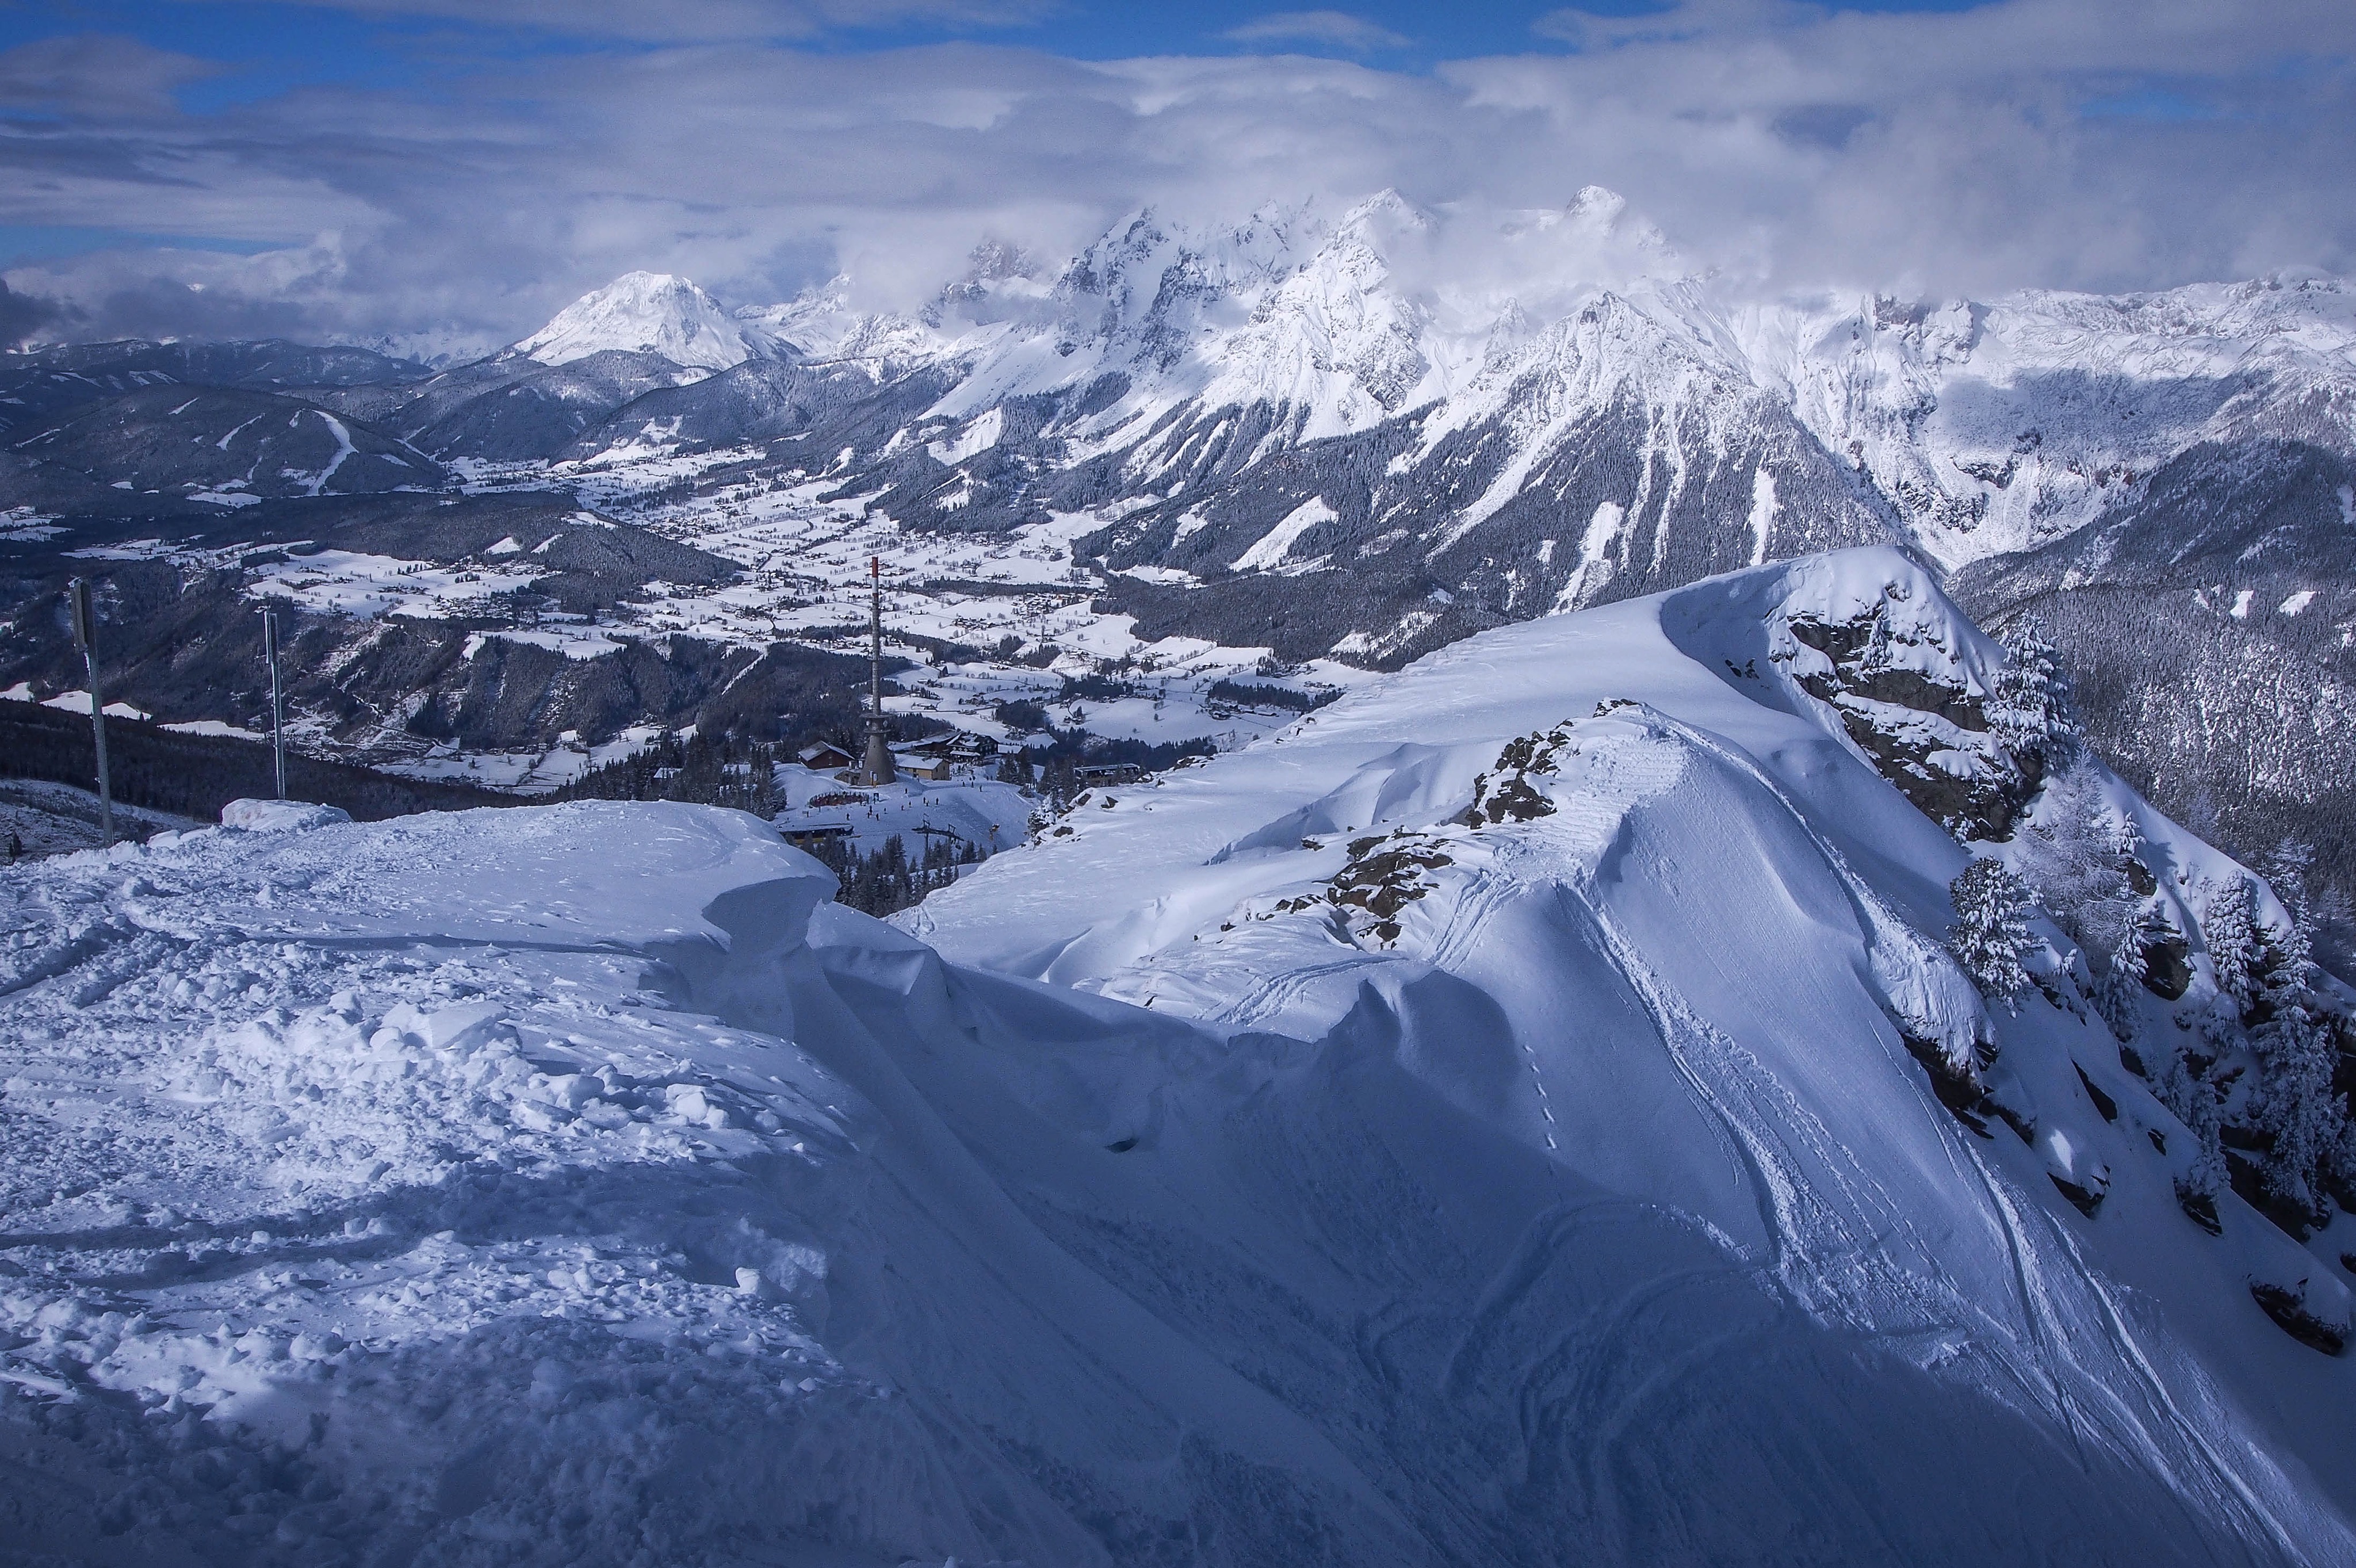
[792, 784]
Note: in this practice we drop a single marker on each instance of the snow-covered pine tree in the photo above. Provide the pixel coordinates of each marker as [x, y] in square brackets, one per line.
[2342, 1164]
[2296, 1107]
[2074, 852]
[2297, 1049]
[1990, 935]
[2292, 952]
[2287, 867]
[2230, 927]
[2117, 990]
[2193, 1098]
[2029, 701]
[1876, 655]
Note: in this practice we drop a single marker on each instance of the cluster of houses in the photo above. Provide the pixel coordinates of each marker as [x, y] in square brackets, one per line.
[936, 757]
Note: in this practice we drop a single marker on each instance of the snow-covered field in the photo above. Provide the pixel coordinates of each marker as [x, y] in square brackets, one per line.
[76, 702]
[805, 563]
[977, 590]
[370, 1150]
[1271, 1168]
[525, 772]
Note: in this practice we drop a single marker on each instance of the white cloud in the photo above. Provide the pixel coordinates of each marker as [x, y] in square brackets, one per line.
[1317, 29]
[1785, 144]
[678, 21]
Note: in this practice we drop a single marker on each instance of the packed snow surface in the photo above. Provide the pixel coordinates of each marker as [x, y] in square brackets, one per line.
[576, 1183]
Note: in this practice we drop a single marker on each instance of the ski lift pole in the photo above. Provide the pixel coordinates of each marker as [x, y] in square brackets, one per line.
[85, 639]
[277, 699]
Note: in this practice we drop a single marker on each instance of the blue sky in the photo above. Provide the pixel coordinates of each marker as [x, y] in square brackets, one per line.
[264, 48]
[341, 167]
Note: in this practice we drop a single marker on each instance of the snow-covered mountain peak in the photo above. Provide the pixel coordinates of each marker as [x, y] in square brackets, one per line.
[1338, 322]
[1385, 212]
[646, 313]
[1598, 203]
[1001, 286]
[1142, 285]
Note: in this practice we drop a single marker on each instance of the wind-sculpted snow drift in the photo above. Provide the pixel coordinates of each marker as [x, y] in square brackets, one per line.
[1488, 1122]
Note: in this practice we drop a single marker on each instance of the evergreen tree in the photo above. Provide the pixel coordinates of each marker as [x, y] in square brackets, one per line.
[2303, 1120]
[2286, 868]
[2115, 992]
[2230, 927]
[885, 880]
[2293, 952]
[1058, 783]
[2029, 702]
[2294, 1108]
[2186, 1089]
[2341, 1166]
[2074, 853]
[1990, 934]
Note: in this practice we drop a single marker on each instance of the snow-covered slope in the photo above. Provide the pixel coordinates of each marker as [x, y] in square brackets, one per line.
[226, 448]
[1682, 947]
[570, 1185]
[1475, 1126]
[646, 313]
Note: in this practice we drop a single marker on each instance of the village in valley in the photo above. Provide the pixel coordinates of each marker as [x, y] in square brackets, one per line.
[1006, 693]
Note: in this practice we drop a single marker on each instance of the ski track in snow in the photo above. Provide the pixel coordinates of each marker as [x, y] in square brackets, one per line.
[344, 448]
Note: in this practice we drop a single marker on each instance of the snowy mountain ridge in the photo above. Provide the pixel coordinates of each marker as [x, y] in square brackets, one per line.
[1984, 427]
[1525, 1110]
[1527, 411]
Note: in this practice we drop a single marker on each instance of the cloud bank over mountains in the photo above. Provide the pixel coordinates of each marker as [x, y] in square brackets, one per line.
[2097, 144]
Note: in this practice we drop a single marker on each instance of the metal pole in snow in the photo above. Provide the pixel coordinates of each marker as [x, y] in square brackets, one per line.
[85, 639]
[277, 701]
[878, 768]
